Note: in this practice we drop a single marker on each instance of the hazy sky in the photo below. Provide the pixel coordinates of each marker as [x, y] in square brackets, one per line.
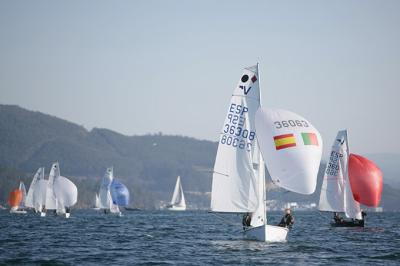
[140, 67]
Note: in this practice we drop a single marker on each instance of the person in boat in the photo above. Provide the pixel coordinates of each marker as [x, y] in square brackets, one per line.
[246, 221]
[287, 220]
[67, 210]
[337, 218]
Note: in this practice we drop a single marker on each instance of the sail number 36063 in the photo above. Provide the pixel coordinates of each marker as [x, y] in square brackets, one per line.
[291, 123]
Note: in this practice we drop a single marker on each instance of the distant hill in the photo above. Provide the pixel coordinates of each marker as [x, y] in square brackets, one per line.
[148, 164]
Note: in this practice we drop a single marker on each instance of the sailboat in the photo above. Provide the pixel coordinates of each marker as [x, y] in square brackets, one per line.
[34, 195]
[106, 201]
[290, 145]
[349, 180]
[16, 200]
[61, 192]
[96, 202]
[178, 202]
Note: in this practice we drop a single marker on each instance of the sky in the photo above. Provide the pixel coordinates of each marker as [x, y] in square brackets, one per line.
[140, 67]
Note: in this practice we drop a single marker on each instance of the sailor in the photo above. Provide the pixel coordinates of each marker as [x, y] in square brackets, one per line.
[67, 209]
[246, 220]
[363, 214]
[287, 220]
[337, 217]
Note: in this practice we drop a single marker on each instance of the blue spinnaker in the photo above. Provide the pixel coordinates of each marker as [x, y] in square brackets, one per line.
[119, 193]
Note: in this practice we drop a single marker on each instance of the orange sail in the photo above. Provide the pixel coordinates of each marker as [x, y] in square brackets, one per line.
[366, 180]
[15, 198]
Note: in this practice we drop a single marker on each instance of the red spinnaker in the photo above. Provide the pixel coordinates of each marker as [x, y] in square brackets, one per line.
[15, 198]
[366, 180]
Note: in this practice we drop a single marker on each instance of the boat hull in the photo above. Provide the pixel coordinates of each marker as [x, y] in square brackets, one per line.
[359, 223]
[177, 208]
[267, 233]
[17, 211]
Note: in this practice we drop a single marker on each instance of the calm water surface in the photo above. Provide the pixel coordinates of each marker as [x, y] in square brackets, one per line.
[191, 238]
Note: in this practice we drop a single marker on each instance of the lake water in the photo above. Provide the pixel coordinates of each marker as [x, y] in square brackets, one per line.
[191, 238]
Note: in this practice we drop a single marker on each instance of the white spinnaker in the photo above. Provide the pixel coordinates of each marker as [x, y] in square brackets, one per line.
[234, 185]
[336, 194]
[66, 192]
[104, 193]
[51, 201]
[29, 197]
[39, 194]
[291, 158]
[23, 189]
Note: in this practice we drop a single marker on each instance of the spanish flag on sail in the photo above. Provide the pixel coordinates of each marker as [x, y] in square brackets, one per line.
[284, 141]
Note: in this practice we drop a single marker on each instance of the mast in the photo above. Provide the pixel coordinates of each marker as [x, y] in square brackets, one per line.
[261, 167]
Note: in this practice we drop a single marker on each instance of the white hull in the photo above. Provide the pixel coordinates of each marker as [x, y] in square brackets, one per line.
[267, 233]
[177, 208]
[67, 215]
[17, 211]
[42, 214]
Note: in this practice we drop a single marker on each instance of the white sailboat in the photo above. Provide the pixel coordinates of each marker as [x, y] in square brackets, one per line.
[337, 191]
[178, 202]
[239, 172]
[32, 196]
[336, 194]
[61, 193]
[106, 202]
[51, 200]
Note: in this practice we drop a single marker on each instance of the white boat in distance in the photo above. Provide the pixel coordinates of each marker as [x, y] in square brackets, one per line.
[178, 202]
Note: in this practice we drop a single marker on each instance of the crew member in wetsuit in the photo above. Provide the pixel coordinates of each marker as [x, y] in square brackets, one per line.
[287, 219]
[246, 220]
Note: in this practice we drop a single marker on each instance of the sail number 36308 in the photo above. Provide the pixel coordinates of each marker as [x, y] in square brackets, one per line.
[291, 123]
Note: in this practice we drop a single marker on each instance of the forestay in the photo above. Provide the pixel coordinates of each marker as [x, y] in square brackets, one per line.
[291, 147]
[234, 185]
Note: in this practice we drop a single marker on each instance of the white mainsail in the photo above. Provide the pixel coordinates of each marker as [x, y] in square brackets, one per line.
[178, 198]
[22, 188]
[291, 147]
[29, 202]
[39, 194]
[235, 184]
[106, 201]
[336, 194]
[51, 201]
